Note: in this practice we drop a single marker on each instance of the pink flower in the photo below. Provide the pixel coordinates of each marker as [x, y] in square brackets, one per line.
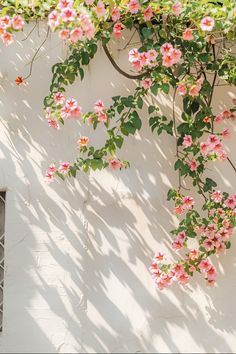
[194, 90]
[59, 98]
[159, 257]
[208, 244]
[181, 89]
[211, 273]
[76, 112]
[188, 34]
[134, 55]
[65, 112]
[83, 141]
[76, 35]
[177, 244]
[166, 48]
[177, 7]
[146, 83]
[49, 177]
[148, 14]
[99, 106]
[204, 148]
[193, 165]
[152, 54]
[53, 123]
[53, 19]
[117, 30]
[52, 168]
[178, 269]
[5, 21]
[89, 2]
[183, 278]
[188, 202]
[100, 9]
[71, 104]
[64, 34]
[205, 265]
[230, 202]
[188, 141]
[217, 196]
[219, 118]
[207, 24]
[178, 210]
[134, 6]
[115, 14]
[167, 60]
[64, 167]
[115, 164]
[176, 55]
[68, 15]
[17, 22]
[102, 117]
[7, 38]
[65, 4]
[226, 133]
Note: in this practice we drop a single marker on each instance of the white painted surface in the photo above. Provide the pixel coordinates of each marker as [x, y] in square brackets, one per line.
[77, 253]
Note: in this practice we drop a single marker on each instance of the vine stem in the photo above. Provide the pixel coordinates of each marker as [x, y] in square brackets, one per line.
[35, 55]
[122, 72]
[231, 163]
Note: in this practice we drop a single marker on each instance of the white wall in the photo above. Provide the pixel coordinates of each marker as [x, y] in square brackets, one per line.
[77, 253]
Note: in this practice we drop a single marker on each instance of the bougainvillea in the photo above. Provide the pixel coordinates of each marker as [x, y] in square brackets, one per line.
[185, 49]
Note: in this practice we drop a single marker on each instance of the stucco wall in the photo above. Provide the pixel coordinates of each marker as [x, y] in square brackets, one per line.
[77, 253]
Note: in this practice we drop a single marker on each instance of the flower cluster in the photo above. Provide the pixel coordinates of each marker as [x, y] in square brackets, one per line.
[143, 59]
[188, 87]
[8, 25]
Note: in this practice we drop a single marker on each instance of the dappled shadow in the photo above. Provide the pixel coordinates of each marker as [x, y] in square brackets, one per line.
[78, 253]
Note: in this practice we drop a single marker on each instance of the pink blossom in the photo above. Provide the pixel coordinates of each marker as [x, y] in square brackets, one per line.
[230, 202]
[133, 55]
[65, 4]
[5, 21]
[178, 210]
[188, 34]
[188, 202]
[193, 254]
[166, 48]
[176, 55]
[115, 164]
[59, 98]
[134, 6]
[177, 7]
[17, 22]
[49, 177]
[226, 133]
[188, 141]
[64, 167]
[7, 38]
[76, 112]
[99, 106]
[183, 278]
[65, 112]
[193, 165]
[181, 89]
[53, 19]
[152, 54]
[52, 168]
[211, 273]
[64, 34]
[213, 140]
[207, 24]
[208, 244]
[167, 61]
[178, 269]
[115, 13]
[194, 90]
[100, 9]
[148, 13]
[217, 196]
[222, 155]
[68, 15]
[89, 2]
[102, 117]
[76, 35]
[159, 257]
[71, 104]
[90, 32]
[146, 83]
[117, 30]
[204, 148]
[219, 118]
[177, 244]
[204, 265]
[53, 123]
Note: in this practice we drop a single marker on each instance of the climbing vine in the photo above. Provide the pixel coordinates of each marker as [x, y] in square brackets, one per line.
[186, 49]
